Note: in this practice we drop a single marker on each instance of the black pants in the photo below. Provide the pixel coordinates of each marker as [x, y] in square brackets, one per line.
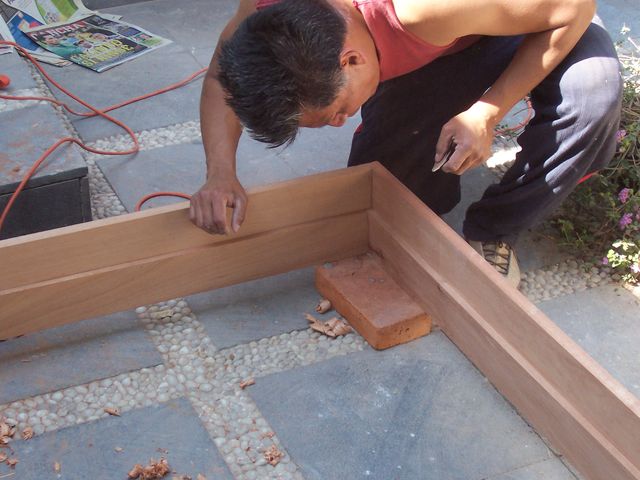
[577, 113]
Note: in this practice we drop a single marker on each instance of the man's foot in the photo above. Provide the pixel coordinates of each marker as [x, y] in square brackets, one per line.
[501, 257]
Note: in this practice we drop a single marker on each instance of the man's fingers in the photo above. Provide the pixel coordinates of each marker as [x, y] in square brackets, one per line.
[457, 160]
[443, 144]
[219, 215]
[239, 211]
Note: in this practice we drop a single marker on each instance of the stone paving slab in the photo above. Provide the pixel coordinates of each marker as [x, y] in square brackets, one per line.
[553, 468]
[73, 355]
[18, 71]
[142, 75]
[253, 310]
[605, 322]
[87, 451]
[192, 24]
[182, 168]
[18, 151]
[320, 149]
[203, 55]
[419, 410]
[617, 13]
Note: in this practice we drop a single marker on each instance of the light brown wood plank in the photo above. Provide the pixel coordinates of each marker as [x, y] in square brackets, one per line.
[613, 411]
[544, 406]
[186, 271]
[65, 251]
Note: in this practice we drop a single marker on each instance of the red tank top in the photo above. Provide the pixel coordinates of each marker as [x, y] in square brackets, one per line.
[399, 51]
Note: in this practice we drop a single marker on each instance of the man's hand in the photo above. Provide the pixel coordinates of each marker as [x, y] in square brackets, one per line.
[472, 133]
[209, 204]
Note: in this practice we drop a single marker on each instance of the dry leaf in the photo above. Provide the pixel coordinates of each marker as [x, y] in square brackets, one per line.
[27, 433]
[57, 467]
[323, 306]
[113, 411]
[5, 429]
[181, 477]
[273, 455]
[12, 462]
[3, 457]
[246, 383]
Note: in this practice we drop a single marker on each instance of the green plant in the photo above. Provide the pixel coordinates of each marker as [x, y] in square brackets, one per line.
[601, 219]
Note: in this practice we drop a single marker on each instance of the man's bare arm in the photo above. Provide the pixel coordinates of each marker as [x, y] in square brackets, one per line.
[221, 131]
[552, 29]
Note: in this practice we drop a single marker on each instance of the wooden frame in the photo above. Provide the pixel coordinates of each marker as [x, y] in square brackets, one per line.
[61, 276]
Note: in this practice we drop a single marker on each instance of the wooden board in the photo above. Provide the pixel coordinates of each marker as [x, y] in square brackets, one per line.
[362, 291]
[66, 251]
[568, 397]
[49, 279]
[61, 276]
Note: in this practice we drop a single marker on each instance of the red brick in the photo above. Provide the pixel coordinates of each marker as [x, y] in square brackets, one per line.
[371, 301]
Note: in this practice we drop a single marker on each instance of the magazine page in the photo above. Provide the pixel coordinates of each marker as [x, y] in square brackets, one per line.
[49, 11]
[17, 21]
[95, 42]
[5, 35]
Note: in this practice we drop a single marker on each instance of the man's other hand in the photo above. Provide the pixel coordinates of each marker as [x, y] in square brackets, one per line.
[209, 205]
[472, 133]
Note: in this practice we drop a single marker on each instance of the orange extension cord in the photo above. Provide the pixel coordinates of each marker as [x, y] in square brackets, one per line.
[94, 112]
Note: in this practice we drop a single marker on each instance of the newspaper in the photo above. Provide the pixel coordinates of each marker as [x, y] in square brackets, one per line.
[5, 35]
[19, 15]
[50, 11]
[16, 16]
[96, 42]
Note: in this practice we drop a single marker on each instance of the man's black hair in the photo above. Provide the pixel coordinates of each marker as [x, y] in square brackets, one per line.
[281, 59]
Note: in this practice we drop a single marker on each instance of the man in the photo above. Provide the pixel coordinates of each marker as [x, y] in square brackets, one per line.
[433, 78]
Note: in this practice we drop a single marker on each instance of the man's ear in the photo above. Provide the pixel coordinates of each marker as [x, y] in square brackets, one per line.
[351, 58]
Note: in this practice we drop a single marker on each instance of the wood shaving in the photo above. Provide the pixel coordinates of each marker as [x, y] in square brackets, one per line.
[323, 306]
[12, 462]
[136, 471]
[331, 328]
[3, 457]
[273, 455]
[112, 411]
[57, 467]
[201, 477]
[119, 449]
[153, 471]
[181, 477]
[247, 382]
[27, 433]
